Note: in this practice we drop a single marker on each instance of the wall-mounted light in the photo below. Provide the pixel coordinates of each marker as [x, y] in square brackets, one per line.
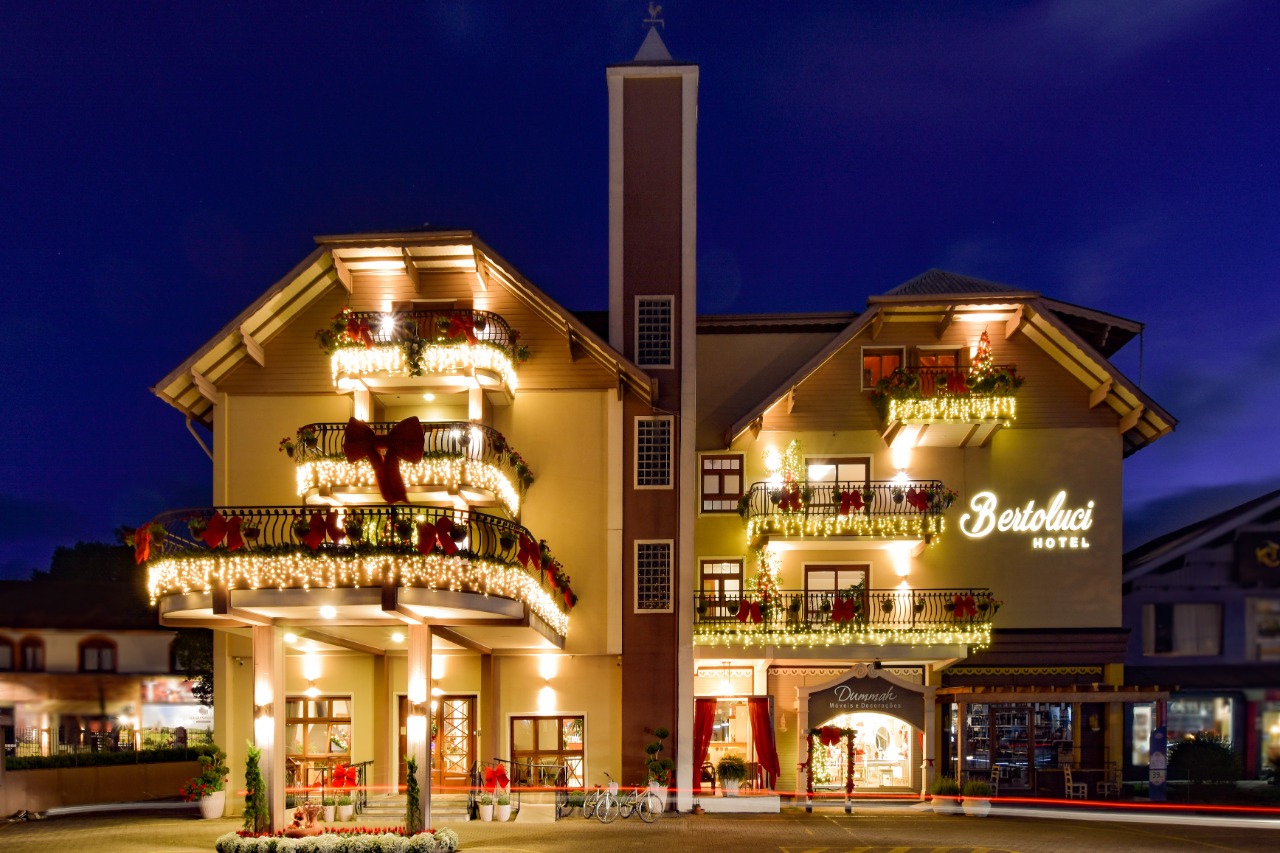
[328, 611]
[311, 666]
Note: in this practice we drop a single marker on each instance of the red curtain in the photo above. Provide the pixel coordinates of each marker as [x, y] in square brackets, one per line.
[762, 734]
[704, 717]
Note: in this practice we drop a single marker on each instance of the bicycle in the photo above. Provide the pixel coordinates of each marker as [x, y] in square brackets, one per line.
[606, 806]
[641, 801]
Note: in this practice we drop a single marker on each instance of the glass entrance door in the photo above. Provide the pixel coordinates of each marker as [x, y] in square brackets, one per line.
[454, 742]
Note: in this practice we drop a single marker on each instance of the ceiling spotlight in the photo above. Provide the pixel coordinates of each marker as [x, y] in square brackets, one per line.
[328, 611]
[291, 638]
[397, 637]
[428, 397]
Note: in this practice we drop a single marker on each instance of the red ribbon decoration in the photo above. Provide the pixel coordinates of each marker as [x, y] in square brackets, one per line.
[344, 776]
[435, 535]
[551, 570]
[956, 384]
[844, 609]
[220, 528]
[358, 331]
[790, 500]
[384, 453]
[463, 324]
[850, 501]
[966, 607]
[750, 610]
[142, 544]
[529, 552]
[495, 777]
[918, 498]
[829, 735]
[569, 598]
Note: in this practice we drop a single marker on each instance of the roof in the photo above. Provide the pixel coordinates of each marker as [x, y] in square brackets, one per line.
[32, 605]
[729, 324]
[191, 387]
[1172, 546]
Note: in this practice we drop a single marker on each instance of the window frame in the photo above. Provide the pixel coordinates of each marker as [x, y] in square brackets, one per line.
[670, 303]
[1152, 641]
[560, 753]
[37, 645]
[635, 576]
[99, 645]
[813, 598]
[309, 759]
[704, 472]
[901, 352]
[670, 454]
[716, 608]
[6, 643]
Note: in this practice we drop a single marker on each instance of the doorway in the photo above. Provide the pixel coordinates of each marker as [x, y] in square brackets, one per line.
[453, 744]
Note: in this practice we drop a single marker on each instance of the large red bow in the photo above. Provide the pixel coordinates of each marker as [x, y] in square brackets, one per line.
[552, 571]
[829, 735]
[358, 331]
[529, 551]
[851, 500]
[220, 528]
[438, 534]
[750, 610]
[343, 776]
[570, 598]
[844, 609]
[790, 500]
[462, 324]
[313, 532]
[495, 777]
[142, 544]
[965, 606]
[956, 384]
[384, 453]
[918, 498]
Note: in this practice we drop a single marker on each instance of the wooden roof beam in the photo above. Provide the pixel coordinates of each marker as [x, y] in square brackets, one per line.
[343, 271]
[791, 399]
[252, 347]
[411, 269]
[877, 323]
[1100, 393]
[946, 321]
[204, 386]
[1014, 323]
[1130, 420]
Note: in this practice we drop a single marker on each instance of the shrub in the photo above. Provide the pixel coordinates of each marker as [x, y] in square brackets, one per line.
[731, 767]
[944, 786]
[977, 789]
[1204, 758]
[99, 759]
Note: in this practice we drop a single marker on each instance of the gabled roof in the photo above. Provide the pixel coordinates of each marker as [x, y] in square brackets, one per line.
[192, 386]
[941, 297]
[89, 606]
[1172, 546]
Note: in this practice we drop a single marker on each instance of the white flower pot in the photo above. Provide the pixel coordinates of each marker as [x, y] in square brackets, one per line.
[502, 812]
[946, 805]
[211, 806]
[346, 812]
[976, 807]
[328, 813]
[486, 812]
[731, 787]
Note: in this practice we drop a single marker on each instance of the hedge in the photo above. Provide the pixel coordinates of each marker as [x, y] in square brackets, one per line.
[99, 759]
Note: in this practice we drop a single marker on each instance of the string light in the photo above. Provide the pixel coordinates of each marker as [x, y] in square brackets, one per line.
[974, 634]
[435, 359]
[451, 472]
[885, 525]
[961, 408]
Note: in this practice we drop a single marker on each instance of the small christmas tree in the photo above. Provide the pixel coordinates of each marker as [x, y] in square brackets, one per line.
[413, 809]
[257, 814]
[981, 366]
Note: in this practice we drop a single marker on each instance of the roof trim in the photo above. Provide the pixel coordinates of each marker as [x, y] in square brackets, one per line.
[1226, 521]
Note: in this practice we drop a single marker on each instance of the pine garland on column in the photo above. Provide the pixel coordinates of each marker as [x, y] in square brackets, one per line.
[413, 810]
[257, 814]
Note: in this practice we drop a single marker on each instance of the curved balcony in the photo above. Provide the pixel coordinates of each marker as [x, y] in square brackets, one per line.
[874, 510]
[949, 406]
[865, 617]
[436, 349]
[374, 565]
[461, 462]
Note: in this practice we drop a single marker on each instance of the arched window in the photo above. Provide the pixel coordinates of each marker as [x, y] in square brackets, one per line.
[97, 654]
[8, 656]
[31, 654]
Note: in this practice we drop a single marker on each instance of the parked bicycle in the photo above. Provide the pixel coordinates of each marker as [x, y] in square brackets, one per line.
[641, 801]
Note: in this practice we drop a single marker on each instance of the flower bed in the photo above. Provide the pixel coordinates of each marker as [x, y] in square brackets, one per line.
[347, 840]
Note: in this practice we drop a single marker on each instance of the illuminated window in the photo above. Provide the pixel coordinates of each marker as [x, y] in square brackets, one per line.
[721, 482]
[823, 583]
[653, 452]
[877, 363]
[1263, 627]
[97, 654]
[938, 357]
[654, 331]
[653, 577]
[1182, 629]
[31, 651]
[545, 744]
[317, 733]
[721, 585]
[7, 656]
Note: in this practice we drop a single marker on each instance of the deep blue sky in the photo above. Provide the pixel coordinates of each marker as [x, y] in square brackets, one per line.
[161, 164]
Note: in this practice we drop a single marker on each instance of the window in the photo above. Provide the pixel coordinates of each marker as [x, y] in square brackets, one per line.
[721, 587]
[97, 654]
[318, 734]
[7, 657]
[653, 577]
[653, 452]
[721, 482]
[1182, 629]
[821, 583]
[1263, 627]
[31, 651]
[550, 742]
[877, 363]
[939, 368]
[654, 331]
[939, 357]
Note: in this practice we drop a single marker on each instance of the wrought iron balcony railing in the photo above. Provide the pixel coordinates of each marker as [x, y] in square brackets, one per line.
[457, 455]
[876, 508]
[304, 547]
[948, 393]
[422, 343]
[875, 616]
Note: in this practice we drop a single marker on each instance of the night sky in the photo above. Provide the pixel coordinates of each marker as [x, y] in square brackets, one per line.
[162, 164]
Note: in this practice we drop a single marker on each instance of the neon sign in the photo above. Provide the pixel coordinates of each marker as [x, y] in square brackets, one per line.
[1064, 527]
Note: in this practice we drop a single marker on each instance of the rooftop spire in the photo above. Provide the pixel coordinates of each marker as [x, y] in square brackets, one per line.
[653, 49]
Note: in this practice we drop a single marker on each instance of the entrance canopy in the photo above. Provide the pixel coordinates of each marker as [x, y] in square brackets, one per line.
[867, 689]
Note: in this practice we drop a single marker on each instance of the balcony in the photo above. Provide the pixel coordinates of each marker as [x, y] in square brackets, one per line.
[462, 464]
[884, 511]
[947, 406]
[374, 566]
[449, 350]
[864, 618]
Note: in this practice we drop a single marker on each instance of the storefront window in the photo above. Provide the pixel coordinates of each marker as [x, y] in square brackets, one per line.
[551, 743]
[1140, 743]
[318, 734]
[881, 759]
[1009, 742]
[1192, 715]
[1271, 739]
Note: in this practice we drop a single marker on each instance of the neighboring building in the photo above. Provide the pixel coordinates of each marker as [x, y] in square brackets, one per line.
[756, 546]
[1202, 605]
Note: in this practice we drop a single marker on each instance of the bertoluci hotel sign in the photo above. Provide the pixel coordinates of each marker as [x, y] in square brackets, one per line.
[1052, 527]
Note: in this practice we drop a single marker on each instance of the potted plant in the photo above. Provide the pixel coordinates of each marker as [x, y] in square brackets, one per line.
[658, 770]
[977, 798]
[731, 769]
[502, 805]
[353, 524]
[919, 606]
[485, 805]
[346, 807]
[288, 446]
[887, 605]
[209, 787]
[329, 804]
[945, 792]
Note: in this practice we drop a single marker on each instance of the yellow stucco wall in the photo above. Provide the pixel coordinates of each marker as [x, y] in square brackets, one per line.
[247, 455]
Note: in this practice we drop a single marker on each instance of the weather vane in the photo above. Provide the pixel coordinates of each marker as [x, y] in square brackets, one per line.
[653, 20]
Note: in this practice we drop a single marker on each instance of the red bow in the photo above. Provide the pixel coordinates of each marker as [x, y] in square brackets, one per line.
[344, 776]
[551, 570]
[142, 544]
[404, 441]
[570, 598]
[918, 498]
[850, 501]
[462, 324]
[829, 735]
[750, 610]
[313, 532]
[529, 552]
[790, 500]
[441, 534]
[358, 331]
[495, 777]
[956, 384]
[220, 527]
[965, 607]
[844, 609]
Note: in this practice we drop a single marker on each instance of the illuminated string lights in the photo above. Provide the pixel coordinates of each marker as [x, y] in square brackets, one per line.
[962, 409]
[884, 525]
[202, 572]
[448, 472]
[975, 634]
[435, 359]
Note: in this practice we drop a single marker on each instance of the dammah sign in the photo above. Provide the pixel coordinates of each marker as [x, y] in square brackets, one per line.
[863, 692]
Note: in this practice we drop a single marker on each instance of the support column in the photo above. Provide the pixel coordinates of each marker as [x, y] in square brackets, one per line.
[418, 736]
[490, 730]
[268, 717]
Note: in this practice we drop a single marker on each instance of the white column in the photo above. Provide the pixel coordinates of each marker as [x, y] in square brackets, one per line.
[802, 728]
[418, 736]
[268, 718]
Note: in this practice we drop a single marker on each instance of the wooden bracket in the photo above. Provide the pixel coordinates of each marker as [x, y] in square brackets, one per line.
[411, 269]
[1099, 394]
[791, 399]
[204, 386]
[253, 347]
[1130, 420]
[946, 321]
[1014, 323]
